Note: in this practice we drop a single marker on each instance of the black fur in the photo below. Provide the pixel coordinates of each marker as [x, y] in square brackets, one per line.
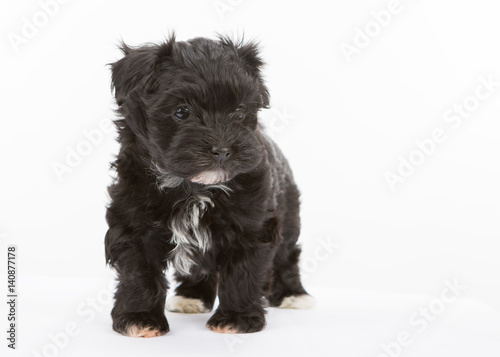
[253, 214]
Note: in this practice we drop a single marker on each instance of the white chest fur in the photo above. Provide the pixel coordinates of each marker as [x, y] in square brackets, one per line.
[188, 233]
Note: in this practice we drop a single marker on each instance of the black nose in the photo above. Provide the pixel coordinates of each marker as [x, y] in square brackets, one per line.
[220, 154]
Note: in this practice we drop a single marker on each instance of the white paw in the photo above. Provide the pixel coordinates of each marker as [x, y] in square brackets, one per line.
[145, 332]
[185, 305]
[298, 302]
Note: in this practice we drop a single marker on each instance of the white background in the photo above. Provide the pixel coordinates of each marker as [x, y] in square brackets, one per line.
[344, 122]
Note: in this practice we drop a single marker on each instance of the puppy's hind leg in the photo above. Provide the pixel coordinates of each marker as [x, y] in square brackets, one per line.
[286, 289]
[195, 294]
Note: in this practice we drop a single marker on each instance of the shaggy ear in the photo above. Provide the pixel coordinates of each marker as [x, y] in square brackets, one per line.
[134, 77]
[135, 72]
[249, 54]
[250, 57]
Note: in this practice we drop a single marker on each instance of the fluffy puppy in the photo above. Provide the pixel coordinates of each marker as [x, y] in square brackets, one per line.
[201, 187]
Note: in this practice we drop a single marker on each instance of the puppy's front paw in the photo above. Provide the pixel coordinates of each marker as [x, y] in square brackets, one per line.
[141, 324]
[144, 332]
[185, 305]
[236, 322]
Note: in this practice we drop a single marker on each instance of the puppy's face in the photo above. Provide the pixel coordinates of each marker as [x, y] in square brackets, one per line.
[193, 105]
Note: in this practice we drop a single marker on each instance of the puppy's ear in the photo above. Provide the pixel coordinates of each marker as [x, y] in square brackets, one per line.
[134, 77]
[136, 70]
[250, 57]
[249, 54]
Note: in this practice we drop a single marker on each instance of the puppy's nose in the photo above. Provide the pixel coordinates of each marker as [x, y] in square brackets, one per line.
[221, 154]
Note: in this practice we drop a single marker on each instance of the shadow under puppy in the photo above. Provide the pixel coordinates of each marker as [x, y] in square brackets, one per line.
[199, 186]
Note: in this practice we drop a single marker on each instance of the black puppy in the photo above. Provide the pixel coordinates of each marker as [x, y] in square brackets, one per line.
[199, 185]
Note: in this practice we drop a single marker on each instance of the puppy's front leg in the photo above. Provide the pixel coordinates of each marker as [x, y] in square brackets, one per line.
[139, 259]
[243, 278]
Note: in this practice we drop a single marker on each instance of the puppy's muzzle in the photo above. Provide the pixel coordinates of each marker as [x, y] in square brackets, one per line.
[221, 154]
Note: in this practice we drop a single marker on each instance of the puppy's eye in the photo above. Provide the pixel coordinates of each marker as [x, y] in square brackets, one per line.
[239, 114]
[182, 113]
